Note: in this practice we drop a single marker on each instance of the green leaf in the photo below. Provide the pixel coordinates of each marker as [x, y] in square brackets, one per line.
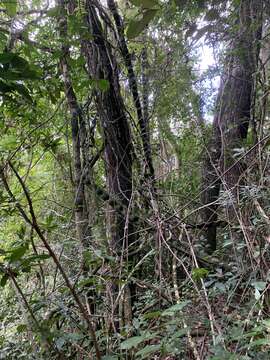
[199, 273]
[152, 315]
[266, 323]
[19, 63]
[22, 90]
[4, 280]
[172, 310]
[257, 294]
[147, 350]
[135, 27]
[5, 87]
[35, 258]
[6, 57]
[102, 84]
[136, 340]
[259, 285]
[17, 253]
[9, 87]
[180, 333]
[26, 74]
[258, 342]
[8, 142]
[41, 257]
[54, 12]
[132, 342]
[85, 282]
[18, 68]
[146, 4]
[11, 7]
[21, 328]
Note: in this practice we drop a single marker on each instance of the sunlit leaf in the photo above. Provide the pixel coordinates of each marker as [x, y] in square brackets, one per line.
[173, 309]
[136, 340]
[136, 27]
[132, 342]
[146, 4]
[17, 253]
[11, 7]
[147, 350]
[199, 273]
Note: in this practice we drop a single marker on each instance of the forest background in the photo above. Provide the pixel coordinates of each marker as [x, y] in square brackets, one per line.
[134, 179]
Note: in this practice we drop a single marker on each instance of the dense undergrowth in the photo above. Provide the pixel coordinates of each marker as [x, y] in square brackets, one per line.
[109, 141]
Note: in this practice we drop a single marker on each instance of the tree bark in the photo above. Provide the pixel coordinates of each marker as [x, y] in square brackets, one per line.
[81, 218]
[233, 113]
[117, 137]
[142, 115]
[118, 144]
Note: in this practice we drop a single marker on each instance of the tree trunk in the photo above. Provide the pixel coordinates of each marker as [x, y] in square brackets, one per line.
[118, 143]
[233, 114]
[142, 115]
[81, 217]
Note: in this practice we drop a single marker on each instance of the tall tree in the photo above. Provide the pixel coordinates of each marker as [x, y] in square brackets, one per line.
[102, 67]
[81, 216]
[142, 112]
[233, 113]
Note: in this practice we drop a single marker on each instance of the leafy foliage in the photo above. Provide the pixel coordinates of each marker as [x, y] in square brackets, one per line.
[161, 294]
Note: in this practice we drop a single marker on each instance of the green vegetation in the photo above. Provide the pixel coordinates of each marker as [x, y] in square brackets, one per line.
[134, 195]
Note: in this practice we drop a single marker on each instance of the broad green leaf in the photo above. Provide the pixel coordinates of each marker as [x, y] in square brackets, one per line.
[136, 340]
[21, 328]
[26, 74]
[11, 7]
[147, 350]
[9, 87]
[135, 27]
[257, 294]
[4, 280]
[152, 315]
[41, 257]
[85, 282]
[259, 285]
[180, 333]
[177, 307]
[8, 142]
[259, 342]
[17, 253]
[266, 323]
[22, 90]
[19, 63]
[5, 87]
[146, 4]
[132, 342]
[35, 259]
[6, 57]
